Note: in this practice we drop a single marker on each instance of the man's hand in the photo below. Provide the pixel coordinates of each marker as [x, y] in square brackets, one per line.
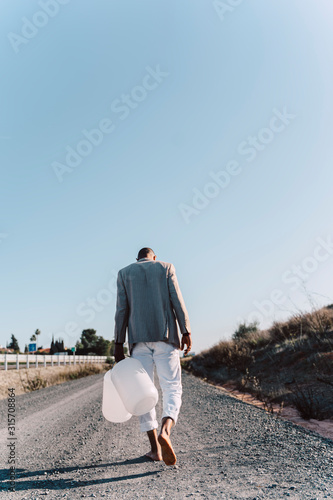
[119, 352]
[186, 340]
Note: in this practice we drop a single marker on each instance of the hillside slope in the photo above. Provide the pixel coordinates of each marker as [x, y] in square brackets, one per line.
[291, 363]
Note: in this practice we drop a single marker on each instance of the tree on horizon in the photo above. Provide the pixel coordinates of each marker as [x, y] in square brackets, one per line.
[37, 332]
[14, 344]
[90, 343]
[57, 346]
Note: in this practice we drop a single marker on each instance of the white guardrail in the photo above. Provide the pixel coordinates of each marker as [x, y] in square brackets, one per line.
[38, 360]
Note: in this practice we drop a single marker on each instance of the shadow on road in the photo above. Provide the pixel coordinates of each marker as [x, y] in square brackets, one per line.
[55, 483]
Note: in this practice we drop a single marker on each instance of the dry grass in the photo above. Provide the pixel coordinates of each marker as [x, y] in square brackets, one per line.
[36, 378]
[314, 324]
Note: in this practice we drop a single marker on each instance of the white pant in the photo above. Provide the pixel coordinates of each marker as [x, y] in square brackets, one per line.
[165, 356]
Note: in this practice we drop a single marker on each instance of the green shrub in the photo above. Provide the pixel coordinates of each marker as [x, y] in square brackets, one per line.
[110, 361]
[243, 331]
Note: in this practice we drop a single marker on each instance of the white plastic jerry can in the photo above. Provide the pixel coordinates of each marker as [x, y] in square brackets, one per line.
[128, 390]
[113, 408]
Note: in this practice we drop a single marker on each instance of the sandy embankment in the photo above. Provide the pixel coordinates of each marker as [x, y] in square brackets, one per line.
[53, 375]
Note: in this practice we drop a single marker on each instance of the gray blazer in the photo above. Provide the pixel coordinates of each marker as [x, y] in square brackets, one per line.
[149, 301]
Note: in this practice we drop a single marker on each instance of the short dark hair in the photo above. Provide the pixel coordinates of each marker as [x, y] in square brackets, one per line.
[144, 252]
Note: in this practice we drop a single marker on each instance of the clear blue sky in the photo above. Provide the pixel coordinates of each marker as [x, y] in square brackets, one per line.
[180, 90]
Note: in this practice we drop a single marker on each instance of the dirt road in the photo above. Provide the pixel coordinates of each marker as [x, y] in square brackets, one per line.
[226, 449]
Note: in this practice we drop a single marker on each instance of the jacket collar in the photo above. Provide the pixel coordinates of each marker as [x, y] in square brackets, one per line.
[143, 259]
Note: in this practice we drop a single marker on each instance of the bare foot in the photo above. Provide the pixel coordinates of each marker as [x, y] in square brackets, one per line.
[154, 455]
[168, 453]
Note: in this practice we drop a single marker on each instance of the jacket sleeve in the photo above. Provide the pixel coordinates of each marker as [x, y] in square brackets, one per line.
[122, 311]
[177, 301]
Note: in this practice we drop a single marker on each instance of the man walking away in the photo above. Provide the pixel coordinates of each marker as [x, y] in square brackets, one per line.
[149, 302]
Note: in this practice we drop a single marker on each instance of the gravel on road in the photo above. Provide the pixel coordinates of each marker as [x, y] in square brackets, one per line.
[226, 449]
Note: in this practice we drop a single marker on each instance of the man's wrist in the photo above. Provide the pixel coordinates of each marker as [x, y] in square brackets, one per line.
[186, 333]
